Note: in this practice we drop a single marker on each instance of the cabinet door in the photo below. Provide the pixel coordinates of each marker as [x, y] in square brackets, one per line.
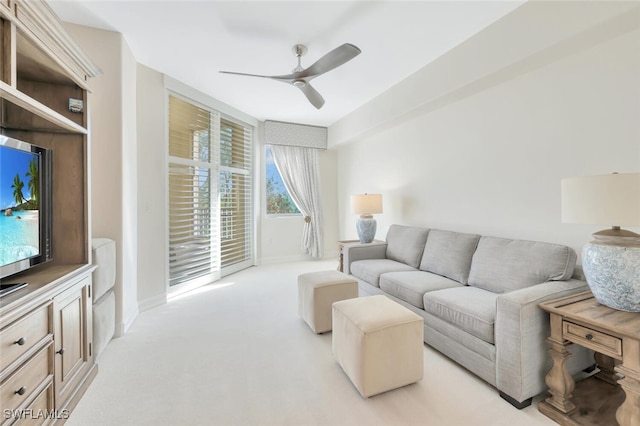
[71, 338]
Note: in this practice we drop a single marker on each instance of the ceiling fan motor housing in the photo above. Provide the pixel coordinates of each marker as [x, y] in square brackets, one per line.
[299, 50]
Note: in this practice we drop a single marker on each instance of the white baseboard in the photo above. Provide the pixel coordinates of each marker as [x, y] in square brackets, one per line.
[152, 302]
[330, 255]
[283, 259]
[123, 327]
[297, 258]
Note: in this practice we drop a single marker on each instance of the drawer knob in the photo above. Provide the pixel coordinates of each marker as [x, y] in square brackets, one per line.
[21, 391]
[589, 336]
[20, 341]
[61, 351]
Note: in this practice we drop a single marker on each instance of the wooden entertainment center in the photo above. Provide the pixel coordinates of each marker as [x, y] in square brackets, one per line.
[46, 359]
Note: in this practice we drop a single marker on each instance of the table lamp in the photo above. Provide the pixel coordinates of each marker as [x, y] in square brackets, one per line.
[611, 262]
[366, 205]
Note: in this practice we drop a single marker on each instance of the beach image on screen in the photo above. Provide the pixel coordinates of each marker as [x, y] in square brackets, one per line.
[19, 206]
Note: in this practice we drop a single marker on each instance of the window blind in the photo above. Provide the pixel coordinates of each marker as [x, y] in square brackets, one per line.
[235, 192]
[193, 222]
[191, 226]
[210, 194]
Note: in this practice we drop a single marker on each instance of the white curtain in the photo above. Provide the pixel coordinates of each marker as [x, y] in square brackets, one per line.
[300, 174]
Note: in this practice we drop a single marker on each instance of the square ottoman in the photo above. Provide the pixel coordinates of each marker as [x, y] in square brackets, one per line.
[316, 293]
[104, 301]
[378, 343]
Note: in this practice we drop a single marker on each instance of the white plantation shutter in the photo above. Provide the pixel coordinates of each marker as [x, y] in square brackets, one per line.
[193, 187]
[210, 194]
[192, 229]
[236, 191]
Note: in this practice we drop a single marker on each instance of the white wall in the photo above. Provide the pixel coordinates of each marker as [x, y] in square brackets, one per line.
[129, 187]
[329, 188]
[113, 158]
[152, 203]
[489, 158]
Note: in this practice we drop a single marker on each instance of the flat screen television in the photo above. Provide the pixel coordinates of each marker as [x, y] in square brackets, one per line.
[25, 206]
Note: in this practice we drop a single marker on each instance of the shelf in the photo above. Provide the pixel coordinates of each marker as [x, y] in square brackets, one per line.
[29, 104]
[45, 31]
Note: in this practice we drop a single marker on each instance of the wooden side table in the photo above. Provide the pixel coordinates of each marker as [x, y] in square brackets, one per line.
[615, 336]
[341, 245]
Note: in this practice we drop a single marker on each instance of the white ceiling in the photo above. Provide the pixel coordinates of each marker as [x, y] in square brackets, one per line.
[192, 40]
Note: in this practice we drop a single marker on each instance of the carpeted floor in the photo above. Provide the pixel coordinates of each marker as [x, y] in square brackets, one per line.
[236, 353]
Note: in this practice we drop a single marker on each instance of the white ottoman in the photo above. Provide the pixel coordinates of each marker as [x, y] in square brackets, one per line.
[104, 300]
[316, 293]
[378, 343]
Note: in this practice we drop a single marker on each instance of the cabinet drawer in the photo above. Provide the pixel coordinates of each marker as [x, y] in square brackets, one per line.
[592, 339]
[22, 335]
[20, 385]
[40, 411]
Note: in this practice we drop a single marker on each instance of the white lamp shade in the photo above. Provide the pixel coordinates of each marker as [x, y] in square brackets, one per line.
[612, 200]
[366, 203]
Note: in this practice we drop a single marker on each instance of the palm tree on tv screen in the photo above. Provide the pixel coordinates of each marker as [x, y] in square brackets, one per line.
[34, 178]
[17, 186]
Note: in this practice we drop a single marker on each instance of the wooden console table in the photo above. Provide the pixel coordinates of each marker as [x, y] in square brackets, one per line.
[615, 336]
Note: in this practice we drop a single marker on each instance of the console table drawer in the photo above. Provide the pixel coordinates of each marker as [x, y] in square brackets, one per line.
[599, 342]
[17, 338]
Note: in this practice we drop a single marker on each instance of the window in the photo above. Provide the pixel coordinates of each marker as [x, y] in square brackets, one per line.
[279, 201]
[210, 192]
[235, 192]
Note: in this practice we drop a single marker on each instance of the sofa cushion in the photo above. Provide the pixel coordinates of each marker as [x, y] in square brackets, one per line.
[449, 254]
[370, 270]
[406, 243]
[501, 265]
[410, 286]
[468, 308]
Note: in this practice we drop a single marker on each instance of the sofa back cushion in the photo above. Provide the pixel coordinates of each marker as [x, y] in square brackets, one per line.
[406, 243]
[449, 254]
[501, 265]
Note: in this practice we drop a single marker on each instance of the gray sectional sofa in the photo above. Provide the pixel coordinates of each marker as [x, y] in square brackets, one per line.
[478, 296]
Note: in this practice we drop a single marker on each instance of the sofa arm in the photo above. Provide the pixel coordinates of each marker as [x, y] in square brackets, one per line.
[354, 252]
[521, 329]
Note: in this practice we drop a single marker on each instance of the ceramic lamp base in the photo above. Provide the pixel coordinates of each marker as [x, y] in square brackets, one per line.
[613, 274]
[366, 227]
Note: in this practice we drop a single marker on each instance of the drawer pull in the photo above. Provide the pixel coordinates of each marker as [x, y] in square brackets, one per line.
[21, 391]
[20, 341]
[61, 351]
[589, 336]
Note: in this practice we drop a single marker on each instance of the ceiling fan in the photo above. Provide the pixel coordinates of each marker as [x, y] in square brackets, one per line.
[300, 77]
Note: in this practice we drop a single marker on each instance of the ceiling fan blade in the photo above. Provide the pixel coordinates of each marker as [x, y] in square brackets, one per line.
[331, 60]
[284, 78]
[312, 94]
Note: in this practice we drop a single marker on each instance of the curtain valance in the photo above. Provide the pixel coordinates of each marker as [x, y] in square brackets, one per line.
[291, 134]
